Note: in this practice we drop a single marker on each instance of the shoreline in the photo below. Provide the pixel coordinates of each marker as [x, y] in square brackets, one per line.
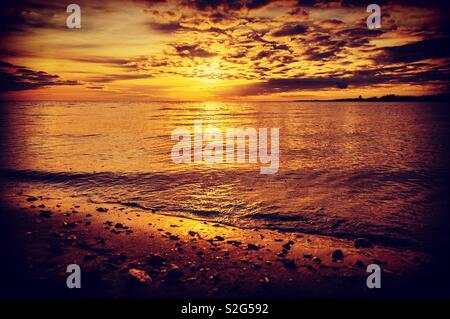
[127, 253]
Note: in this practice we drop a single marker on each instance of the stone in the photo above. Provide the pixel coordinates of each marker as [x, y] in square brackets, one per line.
[337, 254]
[234, 242]
[253, 247]
[155, 260]
[174, 272]
[69, 224]
[289, 263]
[140, 276]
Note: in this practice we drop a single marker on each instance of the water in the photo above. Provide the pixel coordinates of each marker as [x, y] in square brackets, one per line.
[376, 170]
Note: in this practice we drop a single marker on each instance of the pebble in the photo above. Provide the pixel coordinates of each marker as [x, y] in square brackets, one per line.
[71, 238]
[337, 254]
[69, 224]
[253, 247]
[234, 242]
[265, 281]
[289, 263]
[140, 275]
[155, 260]
[174, 272]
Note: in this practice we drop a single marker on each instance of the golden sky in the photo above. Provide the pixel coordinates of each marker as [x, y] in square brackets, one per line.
[221, 50]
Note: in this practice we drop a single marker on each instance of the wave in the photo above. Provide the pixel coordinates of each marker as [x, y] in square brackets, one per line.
[389, 207]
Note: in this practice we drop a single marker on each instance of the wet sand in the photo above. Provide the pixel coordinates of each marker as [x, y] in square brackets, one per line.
[127, 253]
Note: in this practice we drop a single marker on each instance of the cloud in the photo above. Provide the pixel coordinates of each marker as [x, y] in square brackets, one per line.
[193, 51]
[355, 79]
[95, 87]
[22, 15]
[288, 84]
[417, 51]
[167, 27]
[101, 60]
[290, 29]
[225, 5]
[108, 78]
[19, 78]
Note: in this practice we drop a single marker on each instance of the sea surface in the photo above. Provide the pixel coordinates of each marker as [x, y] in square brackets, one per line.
[347, 169]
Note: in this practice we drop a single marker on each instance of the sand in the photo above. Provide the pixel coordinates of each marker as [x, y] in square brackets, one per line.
[124, 252]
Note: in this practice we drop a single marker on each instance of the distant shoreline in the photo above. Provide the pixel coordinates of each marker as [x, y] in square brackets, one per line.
[390, 98]
[444, 97]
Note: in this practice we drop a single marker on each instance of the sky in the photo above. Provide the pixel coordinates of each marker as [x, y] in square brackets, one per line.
[244, 50]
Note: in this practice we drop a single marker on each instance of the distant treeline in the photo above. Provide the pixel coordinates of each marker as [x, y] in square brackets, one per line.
[445, 97]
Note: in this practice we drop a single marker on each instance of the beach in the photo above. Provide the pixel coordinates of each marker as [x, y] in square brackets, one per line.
[124, 253]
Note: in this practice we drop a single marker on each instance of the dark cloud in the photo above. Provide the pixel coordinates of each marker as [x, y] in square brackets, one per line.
[365, 3]
[118, 62]
[256, 4]
[168, 27]
[20, 16]
[95, 87]
[151, 1]
[278, 85]
[333, 22]
[417, 51]
[174, 26]
[317, 54]
[108, 78]
[344, 80]
[360, 32]
[263, 54]
[290, 30]
[225, 5]
[19, 78]
[359, 36]
[193, 51]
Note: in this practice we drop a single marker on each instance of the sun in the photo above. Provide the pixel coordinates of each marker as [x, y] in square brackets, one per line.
[210, 71]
